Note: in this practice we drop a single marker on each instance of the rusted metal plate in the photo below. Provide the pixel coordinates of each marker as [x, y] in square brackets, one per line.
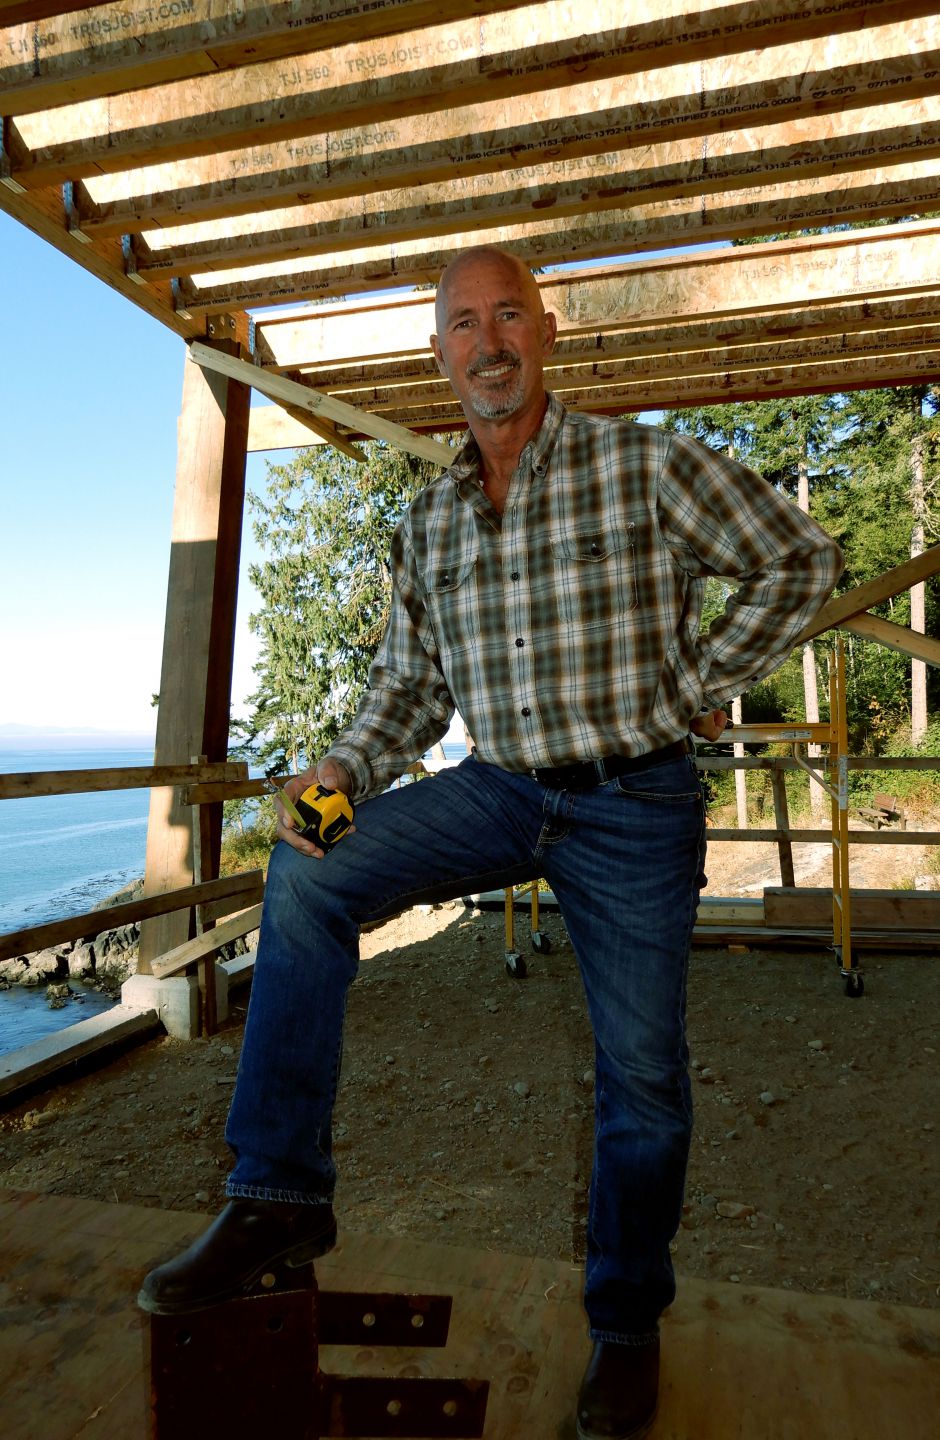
[360, 1318]
[415, 1408]
[239, 1370]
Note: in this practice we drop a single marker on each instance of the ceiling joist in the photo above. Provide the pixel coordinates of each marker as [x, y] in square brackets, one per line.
[209, 161]
[462, 109]
[760, 279]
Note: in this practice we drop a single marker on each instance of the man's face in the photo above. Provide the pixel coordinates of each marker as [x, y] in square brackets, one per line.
[493, 336]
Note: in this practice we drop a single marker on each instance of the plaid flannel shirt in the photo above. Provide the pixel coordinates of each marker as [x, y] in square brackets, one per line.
[568, 627]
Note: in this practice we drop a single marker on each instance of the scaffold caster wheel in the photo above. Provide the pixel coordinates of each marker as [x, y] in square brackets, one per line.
[515, 965]
[541, 943]
[854, 985]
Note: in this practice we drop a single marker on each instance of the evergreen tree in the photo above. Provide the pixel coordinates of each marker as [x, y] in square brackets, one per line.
[325, 525]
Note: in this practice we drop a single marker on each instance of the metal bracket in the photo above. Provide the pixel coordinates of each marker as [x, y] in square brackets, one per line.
[73, 194]
[131, 250]
[220, 327]
[183, 296]
[250, 1367]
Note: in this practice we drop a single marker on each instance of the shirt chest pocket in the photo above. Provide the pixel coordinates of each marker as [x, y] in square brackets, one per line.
[595, 575]
[453, 603]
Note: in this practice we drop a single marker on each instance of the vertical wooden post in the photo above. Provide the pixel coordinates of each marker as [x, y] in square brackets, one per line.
[202, 845]
[199, 639]
[782, 822]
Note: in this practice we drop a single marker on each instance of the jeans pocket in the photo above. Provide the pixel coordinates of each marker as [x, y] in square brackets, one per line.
[673, 782]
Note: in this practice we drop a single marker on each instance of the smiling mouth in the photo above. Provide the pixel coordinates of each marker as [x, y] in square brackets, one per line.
[494, 372]
[495, 369]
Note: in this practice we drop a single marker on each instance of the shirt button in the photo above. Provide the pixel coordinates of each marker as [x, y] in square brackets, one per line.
[525, 710]
[595, 548]
[514, 575]
[520, 642]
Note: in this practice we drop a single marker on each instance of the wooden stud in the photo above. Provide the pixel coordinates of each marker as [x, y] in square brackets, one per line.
[278, 387]
[205, 945]
[896, 637]
[24, 784]
[782, 822]
[856, 601]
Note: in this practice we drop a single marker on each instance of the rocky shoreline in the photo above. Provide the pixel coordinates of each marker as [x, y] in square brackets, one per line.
[102, 962]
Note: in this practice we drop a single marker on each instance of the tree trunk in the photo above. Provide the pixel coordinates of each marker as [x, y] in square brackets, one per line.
[817, 796]
[739, 775]
[918, 620]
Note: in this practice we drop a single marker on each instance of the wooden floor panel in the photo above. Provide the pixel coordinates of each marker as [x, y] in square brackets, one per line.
[739, 1363]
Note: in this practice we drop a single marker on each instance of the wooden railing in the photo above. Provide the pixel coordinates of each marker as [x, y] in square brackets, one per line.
[215, 897]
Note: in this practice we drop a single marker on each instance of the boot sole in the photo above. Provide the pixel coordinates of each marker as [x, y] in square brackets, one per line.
[292, 1259]
[642, 1429]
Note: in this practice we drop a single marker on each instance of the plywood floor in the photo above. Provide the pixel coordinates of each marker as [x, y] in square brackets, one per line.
[738, 1363]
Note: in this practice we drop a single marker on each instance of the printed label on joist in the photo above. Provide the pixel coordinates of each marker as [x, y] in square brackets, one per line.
[226, 111]
[50, 62]
[871, 264]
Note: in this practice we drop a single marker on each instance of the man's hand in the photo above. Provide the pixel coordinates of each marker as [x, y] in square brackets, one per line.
[710, 725]
[332, 776]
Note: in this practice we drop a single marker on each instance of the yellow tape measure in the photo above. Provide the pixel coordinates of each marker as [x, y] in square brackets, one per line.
[320, 815]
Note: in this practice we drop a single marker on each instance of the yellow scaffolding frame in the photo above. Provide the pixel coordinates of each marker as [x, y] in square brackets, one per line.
[833, 776]
[835, 781]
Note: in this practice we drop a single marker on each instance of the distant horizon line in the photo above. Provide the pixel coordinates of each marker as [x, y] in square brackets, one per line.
[13, 730]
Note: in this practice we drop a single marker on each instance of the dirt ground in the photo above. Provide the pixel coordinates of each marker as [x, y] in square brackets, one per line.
[466, 1108]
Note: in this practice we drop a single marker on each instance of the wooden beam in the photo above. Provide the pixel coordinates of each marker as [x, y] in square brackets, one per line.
[196, 676]
[862, 597]
[871, 909]
[234, 888]
[190, 951]
[835, 324]
[24, 12]
[21, 1069]
[43, 214]
[571, 240]
[283, 390]
[682, 392]
[325, 431]
[335, 226]
[27, 784]
[896, 637]
[269, 430]
[221, 114]
[754, 280]
[373, 162]
[70, 57]
[842, 350]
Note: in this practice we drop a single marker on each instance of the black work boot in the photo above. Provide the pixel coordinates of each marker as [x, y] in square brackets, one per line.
[248, 1239]
[618, 1395]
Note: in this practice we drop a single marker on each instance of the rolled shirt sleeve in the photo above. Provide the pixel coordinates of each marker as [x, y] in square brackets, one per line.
[720, 518]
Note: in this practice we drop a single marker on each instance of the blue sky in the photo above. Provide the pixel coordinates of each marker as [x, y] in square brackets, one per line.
[91, 390]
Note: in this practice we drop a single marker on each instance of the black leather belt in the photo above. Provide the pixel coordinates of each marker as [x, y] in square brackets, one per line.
[587, 773]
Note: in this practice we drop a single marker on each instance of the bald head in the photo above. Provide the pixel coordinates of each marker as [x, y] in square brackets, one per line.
[485, 258]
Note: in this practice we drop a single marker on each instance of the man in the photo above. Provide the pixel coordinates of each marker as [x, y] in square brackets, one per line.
[549, 585]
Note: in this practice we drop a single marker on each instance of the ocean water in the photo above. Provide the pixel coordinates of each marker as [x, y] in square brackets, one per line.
[60, 855]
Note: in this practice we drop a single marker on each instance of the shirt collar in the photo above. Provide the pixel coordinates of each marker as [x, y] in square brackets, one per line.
[466, 464]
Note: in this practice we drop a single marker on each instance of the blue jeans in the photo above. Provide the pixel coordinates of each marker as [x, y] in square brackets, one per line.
[625, 863]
